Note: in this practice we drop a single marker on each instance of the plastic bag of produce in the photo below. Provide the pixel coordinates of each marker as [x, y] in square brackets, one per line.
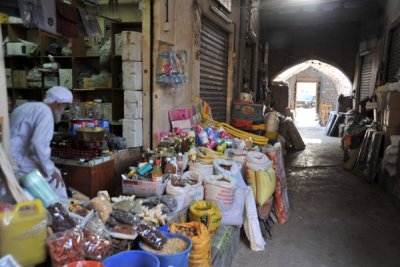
[181, 194]
[261, 176]
[97, 247]
[60, 218]
[195, 180]
[200, 253]
[103, 206]
[66, 247]
[151, 236]
[221, 189]
[251, 224]
[206, 212]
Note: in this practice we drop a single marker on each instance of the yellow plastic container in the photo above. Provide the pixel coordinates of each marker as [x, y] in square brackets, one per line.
[23, 233]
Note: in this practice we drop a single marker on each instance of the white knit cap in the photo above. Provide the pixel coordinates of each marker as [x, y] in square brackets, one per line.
[58, 94]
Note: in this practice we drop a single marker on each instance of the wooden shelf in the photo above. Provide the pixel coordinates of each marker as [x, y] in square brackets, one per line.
[29, 88]
[91, 89]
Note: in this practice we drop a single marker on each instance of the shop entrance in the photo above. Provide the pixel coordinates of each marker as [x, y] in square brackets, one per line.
[306, 103]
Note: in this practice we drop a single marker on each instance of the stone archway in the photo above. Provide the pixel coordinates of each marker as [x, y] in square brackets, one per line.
[341, 81]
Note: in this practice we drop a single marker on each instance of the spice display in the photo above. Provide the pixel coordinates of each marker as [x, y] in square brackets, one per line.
[151, 236]
[187, 231]
[173, 245]
[125, 217]
[65, 247]
[124, 229]
[61, 220]
[96, 247]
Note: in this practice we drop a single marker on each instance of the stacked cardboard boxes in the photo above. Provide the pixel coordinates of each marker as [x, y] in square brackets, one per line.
[131, 50]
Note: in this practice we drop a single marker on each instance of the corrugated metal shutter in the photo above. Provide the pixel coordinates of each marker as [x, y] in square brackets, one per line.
[394, 55]
[214, 67]
[366, 75]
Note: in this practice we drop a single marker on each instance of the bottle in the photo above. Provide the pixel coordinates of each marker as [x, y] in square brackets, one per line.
[170, 167]
[156, 174]
[179, 163]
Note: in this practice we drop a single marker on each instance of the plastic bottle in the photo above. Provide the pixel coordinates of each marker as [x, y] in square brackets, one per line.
[179, 163]
[156, 174]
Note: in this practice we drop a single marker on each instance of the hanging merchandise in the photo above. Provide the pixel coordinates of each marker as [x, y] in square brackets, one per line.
[39, 13]
[261, 176]
[90, 22]
[221, 189]
[281, 200]
[182, 59]
[69, 23]
[169, 72]
[206, 212]
[251, 224]
[200, 254]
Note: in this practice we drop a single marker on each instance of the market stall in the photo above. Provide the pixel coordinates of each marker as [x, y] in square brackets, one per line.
[183, 202]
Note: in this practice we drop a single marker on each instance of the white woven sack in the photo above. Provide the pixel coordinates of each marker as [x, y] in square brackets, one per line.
[221, 189]
[182, 195]
[204, 169]
[196, 190]
[257, 161]
[234, 172]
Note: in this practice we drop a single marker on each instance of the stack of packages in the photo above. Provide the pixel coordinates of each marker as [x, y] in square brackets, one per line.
[132, 84]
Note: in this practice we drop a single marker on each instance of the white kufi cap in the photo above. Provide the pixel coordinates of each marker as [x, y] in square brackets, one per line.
[58, 94]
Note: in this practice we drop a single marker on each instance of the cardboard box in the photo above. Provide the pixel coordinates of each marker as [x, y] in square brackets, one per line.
[251, 112]
[143, 188]
[88, 83]
[392, 118]
[131, 46]
[393, 100]
[19, 79]
[19, 48]
[132, 75]
[133, 105]
[9, 78]
[182, 124]
[66, 78]
[132, 130]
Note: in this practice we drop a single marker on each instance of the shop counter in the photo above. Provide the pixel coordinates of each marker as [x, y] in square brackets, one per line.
[89, 178]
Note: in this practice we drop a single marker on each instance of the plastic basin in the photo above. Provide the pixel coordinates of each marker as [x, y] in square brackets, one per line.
[85, 264]
[180, 259]
[132, 258]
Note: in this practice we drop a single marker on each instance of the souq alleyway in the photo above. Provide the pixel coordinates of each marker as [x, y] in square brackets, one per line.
[337, 219]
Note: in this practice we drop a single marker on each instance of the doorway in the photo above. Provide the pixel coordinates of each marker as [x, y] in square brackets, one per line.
[306, 103]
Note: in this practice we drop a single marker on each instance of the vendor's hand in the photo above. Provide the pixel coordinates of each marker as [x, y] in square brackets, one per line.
[59, 180]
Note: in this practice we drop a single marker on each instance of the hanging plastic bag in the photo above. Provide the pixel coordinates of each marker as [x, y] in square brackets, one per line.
[221, 189]
[41, 14]
[251, 224]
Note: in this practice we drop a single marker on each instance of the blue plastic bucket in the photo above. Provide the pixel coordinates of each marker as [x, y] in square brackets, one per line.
[132, 258]
[180, 259]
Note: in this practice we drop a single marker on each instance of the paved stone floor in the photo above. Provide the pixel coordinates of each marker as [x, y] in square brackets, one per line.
[337, 219]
